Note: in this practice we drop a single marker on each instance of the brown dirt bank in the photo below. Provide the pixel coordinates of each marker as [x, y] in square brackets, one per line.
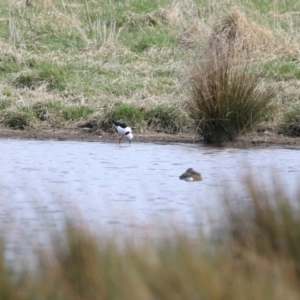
[77, 134]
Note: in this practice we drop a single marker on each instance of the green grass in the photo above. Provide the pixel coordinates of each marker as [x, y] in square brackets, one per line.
[4, 104]
[48, 110]
[17, 119]
[139, 40]
[281, 6]
[72, 113]
[9, 64]
[283, 69]
[53, 75]
[56, 111]
[166, 118]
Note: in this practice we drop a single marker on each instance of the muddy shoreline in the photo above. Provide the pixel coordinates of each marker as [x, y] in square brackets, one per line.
[261, 139]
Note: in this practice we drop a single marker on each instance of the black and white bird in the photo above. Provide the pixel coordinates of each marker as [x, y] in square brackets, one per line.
[124, 130]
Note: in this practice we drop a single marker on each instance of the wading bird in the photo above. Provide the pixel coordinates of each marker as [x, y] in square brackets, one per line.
[124, 130]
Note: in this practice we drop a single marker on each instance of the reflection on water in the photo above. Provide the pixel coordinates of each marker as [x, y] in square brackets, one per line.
[125, 187]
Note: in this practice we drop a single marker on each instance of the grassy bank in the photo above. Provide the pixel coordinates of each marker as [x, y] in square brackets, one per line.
[65, 63]
[254, 253]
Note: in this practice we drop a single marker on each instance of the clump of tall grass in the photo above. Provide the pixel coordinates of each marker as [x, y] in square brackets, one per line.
[228, 97]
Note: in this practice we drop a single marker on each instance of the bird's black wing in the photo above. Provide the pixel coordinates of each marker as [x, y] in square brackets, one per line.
[123, 125]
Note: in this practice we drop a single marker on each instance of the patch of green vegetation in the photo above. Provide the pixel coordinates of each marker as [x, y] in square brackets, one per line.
[4, 104]
[72, 113]
[55, 40]
[290, 124]
[107, 81]
[31, 63]
[283, 68]
[124, 87]
[27, 79]
[48, 110]
[166, 118]
[123, 112]
[122, 11]
[9, 64]
[145, 6]
[261, 6]
[280, 6]
[141, 39]
[7, 92]
[55, 76]
[59, 112]
[18, 119]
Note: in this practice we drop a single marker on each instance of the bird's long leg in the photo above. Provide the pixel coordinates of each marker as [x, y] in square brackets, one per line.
[120, 139]
[115, 140]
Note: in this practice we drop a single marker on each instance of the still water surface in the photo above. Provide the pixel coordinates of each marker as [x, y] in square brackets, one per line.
[121, 188]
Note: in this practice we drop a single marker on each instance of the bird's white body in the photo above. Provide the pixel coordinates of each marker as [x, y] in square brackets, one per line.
[123, 131]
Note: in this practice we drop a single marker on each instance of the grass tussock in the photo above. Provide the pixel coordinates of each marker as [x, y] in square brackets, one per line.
[257, 256]
[249, 39]
[228, 97]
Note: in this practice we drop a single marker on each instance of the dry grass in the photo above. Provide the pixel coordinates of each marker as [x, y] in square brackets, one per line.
[252, 41]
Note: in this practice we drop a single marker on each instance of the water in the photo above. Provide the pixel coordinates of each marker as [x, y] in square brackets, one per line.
[125, 188]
